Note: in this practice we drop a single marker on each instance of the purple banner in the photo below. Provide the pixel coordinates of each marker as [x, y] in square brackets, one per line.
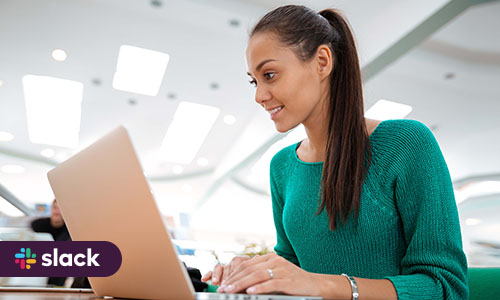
[59, 259]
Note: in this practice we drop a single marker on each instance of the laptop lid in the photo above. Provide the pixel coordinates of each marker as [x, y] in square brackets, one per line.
[103, 196]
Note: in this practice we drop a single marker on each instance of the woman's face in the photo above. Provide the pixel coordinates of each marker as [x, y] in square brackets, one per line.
[288, 88]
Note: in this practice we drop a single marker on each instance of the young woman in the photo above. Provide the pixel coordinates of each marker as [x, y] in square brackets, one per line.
[362, 208]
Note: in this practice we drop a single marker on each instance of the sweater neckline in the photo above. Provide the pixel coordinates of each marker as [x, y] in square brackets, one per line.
[320, 163]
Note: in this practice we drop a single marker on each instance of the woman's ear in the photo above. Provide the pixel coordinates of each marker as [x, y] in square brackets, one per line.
[324, 60]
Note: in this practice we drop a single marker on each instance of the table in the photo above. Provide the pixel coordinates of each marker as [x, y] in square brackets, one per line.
[8, 293]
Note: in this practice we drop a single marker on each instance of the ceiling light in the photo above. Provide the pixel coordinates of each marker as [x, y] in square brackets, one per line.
[177, 169]
[12, 169]
[449, 75]
[214, 86]
[1, 83]
[59, 55]
[49, 153]
[96, 81]
[171, 96]
[202, 162]
[386, 110]
[185, 135]
[477, 189]
[187, 188]
[156, 3]
[140, 70]
[472, 221]
[234, 22]
[6, 136]
[229, 119]
[53, 110]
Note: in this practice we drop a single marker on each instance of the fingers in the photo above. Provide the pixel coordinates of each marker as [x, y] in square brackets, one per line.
[217, 274]
[249, 270]
[246, 282]
[230, 268]
[248, 262]
[207, 276]
[269, 287]
[220, 273]
[246, 278]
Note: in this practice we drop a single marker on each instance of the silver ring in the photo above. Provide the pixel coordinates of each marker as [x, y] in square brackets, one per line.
[271, 274]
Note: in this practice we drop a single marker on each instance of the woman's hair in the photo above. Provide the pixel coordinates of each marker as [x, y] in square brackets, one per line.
[347, 153]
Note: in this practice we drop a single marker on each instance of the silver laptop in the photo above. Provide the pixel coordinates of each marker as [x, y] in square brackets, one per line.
[103, 196]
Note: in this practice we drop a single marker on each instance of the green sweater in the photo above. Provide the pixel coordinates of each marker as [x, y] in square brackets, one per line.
[408, 230]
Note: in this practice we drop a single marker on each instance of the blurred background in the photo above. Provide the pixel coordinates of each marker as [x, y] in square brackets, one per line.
[174, 74]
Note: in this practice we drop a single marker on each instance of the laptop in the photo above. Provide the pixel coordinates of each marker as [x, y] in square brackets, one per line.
[103, 196]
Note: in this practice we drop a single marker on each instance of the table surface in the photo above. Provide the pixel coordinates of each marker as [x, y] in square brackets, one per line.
[45, 294]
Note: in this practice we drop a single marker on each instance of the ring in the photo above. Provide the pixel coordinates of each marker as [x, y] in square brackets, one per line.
[271, 274]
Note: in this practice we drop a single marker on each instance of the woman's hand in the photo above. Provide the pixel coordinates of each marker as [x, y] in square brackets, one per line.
[220, 272]
[271, 273]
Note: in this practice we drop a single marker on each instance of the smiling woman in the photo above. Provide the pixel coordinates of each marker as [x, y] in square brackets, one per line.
[359, 205]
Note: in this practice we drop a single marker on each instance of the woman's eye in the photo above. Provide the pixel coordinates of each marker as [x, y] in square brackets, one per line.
[253, 82]
[269, 75]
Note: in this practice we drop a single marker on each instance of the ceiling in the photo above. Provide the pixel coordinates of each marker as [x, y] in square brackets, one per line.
[451, 79]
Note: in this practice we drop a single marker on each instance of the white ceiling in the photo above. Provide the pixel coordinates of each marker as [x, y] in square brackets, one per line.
[204, 49]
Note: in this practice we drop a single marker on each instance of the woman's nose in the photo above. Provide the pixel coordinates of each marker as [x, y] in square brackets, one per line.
[262, 95]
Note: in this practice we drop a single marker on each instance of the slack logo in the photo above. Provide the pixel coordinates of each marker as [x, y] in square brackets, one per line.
[25, 259]
[66, 260]
[59, 259]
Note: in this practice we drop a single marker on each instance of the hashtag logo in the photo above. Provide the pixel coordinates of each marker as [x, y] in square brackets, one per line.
[25, 259]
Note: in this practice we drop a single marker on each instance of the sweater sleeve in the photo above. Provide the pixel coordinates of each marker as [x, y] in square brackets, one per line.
[283, 247]
[434, 265]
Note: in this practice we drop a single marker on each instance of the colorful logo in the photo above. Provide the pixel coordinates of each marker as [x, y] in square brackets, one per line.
[59, 258]
[25, 258]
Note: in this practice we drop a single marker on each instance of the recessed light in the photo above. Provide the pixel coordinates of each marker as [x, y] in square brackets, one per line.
[132, 101]
[187, 188]
[96, 81]
[177, 169]
[176, 147]
[449, 75]
[53, 110]
[59, 55]
[229, 119]
[386, 110]
[12, 169]
[49, 153]
[171, 96]
[156, 3]
[472, 221]
[234, 23]
[202, 162]
[214, 86]
[140, 70]
[1, 83]
[6, 136]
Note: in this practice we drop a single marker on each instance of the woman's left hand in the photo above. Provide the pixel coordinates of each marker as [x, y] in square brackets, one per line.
[271, 273]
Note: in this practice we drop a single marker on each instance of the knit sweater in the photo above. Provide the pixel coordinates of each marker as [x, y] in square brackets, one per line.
[408, 229]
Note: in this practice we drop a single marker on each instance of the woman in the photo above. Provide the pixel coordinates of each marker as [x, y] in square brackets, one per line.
[361, 207]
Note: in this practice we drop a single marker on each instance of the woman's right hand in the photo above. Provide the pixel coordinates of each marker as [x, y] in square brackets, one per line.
[220, 272]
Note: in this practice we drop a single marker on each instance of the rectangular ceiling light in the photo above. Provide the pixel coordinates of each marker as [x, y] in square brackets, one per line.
[139, 70]
[386, 110]
[185, 135]
[53, 110]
